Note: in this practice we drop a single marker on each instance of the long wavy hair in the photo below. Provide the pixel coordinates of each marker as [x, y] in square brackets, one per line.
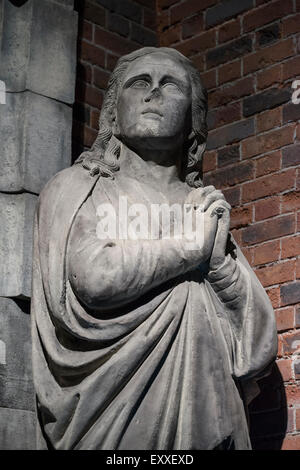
[104, 154]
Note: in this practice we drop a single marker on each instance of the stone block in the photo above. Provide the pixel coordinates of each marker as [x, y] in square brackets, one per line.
[16, 223]
[17, 430]
[36, 141]
[16, 382]
[38, 50]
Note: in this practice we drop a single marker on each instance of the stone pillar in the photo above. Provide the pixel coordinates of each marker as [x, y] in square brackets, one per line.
[37, 86]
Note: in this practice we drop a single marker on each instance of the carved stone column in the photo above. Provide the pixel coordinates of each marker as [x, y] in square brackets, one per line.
[37, 85]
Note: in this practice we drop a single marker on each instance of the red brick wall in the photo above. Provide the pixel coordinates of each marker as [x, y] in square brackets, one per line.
[108, 29]
[247, 53]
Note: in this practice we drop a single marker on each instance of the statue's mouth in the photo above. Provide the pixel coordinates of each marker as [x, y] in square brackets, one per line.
[152, 112]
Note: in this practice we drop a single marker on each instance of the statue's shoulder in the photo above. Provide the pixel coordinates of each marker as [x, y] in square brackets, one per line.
[73, 179]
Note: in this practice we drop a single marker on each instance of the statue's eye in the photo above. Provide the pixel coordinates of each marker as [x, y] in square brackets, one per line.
[140, 84]
[170, 86]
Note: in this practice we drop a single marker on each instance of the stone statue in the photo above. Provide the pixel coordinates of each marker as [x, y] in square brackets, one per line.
[144, 343]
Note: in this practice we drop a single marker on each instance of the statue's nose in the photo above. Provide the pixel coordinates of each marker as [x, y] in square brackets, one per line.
[154, 93]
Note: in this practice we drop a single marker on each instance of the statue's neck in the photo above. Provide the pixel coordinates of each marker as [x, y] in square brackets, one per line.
[150, 165]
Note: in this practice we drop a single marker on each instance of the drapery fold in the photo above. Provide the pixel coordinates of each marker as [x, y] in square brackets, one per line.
[157, 373]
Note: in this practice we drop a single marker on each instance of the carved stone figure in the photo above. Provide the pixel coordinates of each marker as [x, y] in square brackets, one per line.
[145, 343]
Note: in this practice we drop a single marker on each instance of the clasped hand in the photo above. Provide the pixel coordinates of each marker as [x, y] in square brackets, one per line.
[216, 222]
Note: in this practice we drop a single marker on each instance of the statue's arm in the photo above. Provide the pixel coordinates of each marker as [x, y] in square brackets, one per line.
[249, 315]
[107, 273]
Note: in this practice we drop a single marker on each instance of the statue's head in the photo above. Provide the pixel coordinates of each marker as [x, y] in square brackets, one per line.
[154, 99]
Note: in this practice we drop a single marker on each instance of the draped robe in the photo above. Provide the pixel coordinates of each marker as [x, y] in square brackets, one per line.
[144, 354]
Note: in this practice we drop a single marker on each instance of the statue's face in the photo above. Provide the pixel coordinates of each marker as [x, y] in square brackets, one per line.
[154, 103]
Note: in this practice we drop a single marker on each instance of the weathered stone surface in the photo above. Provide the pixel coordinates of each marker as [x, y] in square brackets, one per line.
[29, 31]
[17, 429]
[17, 213]
[36, 141]
[16, 385]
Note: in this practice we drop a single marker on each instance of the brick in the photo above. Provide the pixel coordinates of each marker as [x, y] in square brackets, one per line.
[199, 62]
[232, 195]
[268, 164]
[290, 293]
[268, 120]
[291, 112]
[291, 156]
[111, 42]
[89, 95]
[248, 253]
[84, 72]
[291, 443]
[266, 253]
[280, 346]
[192, 26]
[170, 36]
[126, 8]
[275, 274]
[85, 30]
[229, 72]
[230, 134]
[87, 134]
[285, 319]
[95, 114]
[209, 79]
[290, 247]
[225, 10]
[150, 19]
[118, 24]
[270, 76]
[268, 230]
[297, 419]
[267, 208]
[274, 296]
[298, 277]
[228, 155]
[290, 25]
[291, 342]
[266, 14]
[111, 61]
[229, 30]
[93, 13]
[265, 143]
[209, 161]
[188, 8]
[285, 367]
[297, 369]
[237, 235]
[290, 420]
[166, 3]
[92, 54]
[222, 116]
[231, 92]
[291, 68]
[290, 201]
[268, 56]
[268, 35]
[143, 36]
[229, 51]
[268, 185]
[265, 100]
[197, 44]
[101, 78]
[222, 177]
[240, 217]
[148, 3]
